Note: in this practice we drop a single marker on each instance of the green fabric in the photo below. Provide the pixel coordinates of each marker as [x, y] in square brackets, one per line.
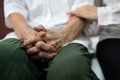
[14, 63]
[72, 63]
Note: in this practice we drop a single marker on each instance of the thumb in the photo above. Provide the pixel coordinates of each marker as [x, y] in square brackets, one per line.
[41, 34]
[73, 13]
[39, 28]
[45, 57]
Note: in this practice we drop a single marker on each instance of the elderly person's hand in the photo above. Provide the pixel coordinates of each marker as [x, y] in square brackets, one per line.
[45, 49]
[88, 12]
[56, 39]
[39, 50]
[33, 37]
[72, 30]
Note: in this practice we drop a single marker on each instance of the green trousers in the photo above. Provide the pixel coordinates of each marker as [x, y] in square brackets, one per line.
[73, 62]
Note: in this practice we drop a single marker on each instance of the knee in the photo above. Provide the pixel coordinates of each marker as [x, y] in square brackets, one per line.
[70, 68]
[11, 50]
[71, 64]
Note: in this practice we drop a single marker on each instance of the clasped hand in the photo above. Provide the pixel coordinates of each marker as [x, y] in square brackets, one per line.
[44, 44]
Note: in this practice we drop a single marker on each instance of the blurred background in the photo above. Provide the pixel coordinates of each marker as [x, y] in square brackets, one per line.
[3, 29]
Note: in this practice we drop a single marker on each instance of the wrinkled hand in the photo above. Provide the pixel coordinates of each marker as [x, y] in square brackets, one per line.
[41, 55]
[56, 39]
[72, 30]
[53, 38]
[32, 37]
[40, 50]
[45, 49]
[88, 12]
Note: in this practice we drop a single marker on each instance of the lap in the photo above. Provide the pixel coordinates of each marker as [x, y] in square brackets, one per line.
[14, 60]
[73, 62]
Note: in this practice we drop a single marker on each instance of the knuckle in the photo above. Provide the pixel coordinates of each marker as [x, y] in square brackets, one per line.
[32, 50]
[40, 54]
[39, 43]
[28, 51]
[35, 57]
[44, 55]
[49, 56]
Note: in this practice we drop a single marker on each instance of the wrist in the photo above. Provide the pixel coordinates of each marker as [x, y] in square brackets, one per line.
[64, 35]
[27, 33]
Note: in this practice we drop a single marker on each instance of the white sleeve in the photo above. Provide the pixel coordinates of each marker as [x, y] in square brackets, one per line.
[14, 6]
[109, 15]
[91, 28]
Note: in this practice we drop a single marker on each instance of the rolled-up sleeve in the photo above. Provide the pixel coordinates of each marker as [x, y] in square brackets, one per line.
[14, 6]
[109, 15]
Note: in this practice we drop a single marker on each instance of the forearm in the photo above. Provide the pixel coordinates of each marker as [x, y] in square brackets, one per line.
[72, 29]
[19, 25]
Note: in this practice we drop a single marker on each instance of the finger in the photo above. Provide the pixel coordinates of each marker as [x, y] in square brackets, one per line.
[41, 31]
[35, 57]
[40, 28]
[32, 51]
[31, 40]
[44, 46]
[29, 46]
[73, 13]
[41, 34]
[57, 45]
[70, 13]
[47, 56]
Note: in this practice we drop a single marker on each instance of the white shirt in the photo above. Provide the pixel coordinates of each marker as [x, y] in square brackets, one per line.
[49, 13]
[52, 14]
[109, 19]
